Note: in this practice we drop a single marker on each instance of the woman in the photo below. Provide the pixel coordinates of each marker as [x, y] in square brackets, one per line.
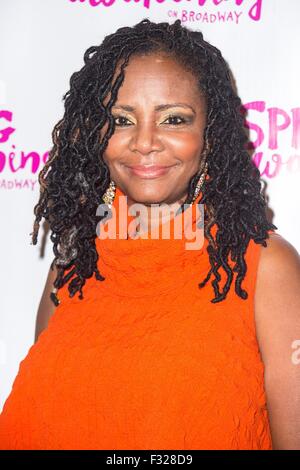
[142, 352]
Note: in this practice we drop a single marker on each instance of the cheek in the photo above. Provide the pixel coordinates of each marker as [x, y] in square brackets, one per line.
[187, 146]
[113, 150]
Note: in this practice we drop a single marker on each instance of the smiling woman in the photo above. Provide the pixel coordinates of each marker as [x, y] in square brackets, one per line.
[150, 354]
[157, 145]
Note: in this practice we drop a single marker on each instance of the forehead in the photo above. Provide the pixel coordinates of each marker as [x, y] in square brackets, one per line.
[157, 75]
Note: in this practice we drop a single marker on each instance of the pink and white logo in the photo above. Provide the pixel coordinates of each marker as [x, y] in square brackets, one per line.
[274, 130]
[17, 163]
[205, 11]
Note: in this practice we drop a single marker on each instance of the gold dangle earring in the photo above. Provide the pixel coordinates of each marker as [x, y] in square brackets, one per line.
[200, 182]
[109, 195]
[207, 148]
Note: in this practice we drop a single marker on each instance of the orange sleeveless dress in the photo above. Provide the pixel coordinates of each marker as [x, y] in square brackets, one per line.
[145, 360]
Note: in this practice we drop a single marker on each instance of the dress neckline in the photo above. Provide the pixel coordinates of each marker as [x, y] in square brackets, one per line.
[145, 266]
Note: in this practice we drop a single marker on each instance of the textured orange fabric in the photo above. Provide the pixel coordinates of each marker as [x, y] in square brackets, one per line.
[145, 361]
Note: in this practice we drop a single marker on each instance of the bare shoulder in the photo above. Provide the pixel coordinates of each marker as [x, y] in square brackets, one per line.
[277, 319]
[276, 243]
[277, 293]
[279, 267]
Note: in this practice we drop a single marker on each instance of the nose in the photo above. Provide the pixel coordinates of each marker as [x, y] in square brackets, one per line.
[145, 138]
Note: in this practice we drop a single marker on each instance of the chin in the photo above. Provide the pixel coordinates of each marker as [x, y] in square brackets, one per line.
[148, 197]
[148, 200]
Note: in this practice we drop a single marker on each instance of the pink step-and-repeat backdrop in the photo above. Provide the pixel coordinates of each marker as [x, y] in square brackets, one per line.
[42, 43]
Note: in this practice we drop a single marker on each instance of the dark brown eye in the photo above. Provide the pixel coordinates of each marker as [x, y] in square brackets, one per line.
[174, 117]
[121, 124]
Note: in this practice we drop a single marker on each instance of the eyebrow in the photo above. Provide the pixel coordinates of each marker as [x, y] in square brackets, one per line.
[160, 107]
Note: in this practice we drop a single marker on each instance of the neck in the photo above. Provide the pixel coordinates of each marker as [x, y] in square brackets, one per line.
[154, 214]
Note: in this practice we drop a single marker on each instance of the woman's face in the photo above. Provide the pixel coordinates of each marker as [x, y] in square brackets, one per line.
[160, 117]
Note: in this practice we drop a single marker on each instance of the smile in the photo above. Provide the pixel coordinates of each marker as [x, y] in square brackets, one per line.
[148, 172]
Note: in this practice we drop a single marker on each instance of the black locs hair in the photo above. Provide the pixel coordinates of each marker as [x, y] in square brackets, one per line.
[75, 177]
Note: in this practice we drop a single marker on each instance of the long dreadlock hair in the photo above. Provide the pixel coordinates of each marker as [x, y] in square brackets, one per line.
[75, 177]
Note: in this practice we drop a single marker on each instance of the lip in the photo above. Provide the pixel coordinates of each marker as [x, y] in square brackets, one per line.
[151, 171]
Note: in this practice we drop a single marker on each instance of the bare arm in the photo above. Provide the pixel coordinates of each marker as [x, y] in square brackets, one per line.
[277, 315]
[46, 306]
